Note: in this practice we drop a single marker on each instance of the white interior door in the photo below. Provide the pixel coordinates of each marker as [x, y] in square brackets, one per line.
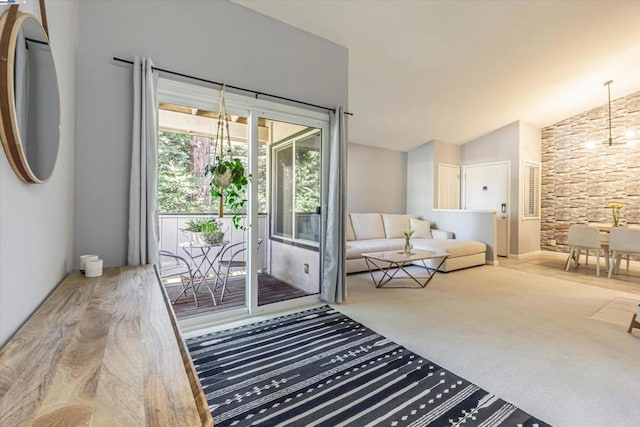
[486, 187]
[448, 186]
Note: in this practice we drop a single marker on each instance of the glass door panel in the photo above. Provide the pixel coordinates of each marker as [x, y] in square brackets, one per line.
[307, 187]
[186, 144]
[275, 262]
[284, 192]
[292, 172]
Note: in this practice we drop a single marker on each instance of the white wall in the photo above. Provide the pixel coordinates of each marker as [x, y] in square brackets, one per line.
[497, 146]
[529, 234]
[376, 179]
[468, 225]
[287, 264]
[218, 40]
[422, 173]
[420, 179]
[36, 220]
[422, 166]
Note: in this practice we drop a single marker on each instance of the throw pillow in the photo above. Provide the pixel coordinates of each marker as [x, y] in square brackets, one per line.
[349, 230]
[422, 228]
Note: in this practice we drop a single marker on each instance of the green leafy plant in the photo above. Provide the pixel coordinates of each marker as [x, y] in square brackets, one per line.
[228, 179]
[211, 230]
[229, 183]
[200, 225]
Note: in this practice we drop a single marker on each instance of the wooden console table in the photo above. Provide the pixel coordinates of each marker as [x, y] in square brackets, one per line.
[101, 351]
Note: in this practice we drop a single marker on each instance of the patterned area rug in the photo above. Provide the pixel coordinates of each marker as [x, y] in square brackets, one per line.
[321, 368]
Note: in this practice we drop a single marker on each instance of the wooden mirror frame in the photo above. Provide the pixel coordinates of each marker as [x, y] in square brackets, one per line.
[10, 24]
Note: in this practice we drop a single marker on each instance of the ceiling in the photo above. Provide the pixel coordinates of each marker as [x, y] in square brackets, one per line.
[457, 70]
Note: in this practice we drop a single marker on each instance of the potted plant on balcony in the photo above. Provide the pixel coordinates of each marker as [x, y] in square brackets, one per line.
[206, 230]
[229, 179]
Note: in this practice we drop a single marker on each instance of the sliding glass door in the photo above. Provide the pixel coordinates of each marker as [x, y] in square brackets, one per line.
[278, 251]
[295, 209]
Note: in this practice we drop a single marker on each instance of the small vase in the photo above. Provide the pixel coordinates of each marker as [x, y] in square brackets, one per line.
[616, 218]
[407, 246]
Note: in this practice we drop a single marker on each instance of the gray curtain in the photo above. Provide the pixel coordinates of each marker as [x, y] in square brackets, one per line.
[334, 276]
[143, 185]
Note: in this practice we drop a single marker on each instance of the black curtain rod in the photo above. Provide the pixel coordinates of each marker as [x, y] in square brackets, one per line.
[256, 93]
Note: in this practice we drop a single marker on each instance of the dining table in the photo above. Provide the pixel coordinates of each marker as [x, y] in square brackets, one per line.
[604, 228]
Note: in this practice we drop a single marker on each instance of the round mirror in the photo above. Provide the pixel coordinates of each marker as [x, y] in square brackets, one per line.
[29, 97]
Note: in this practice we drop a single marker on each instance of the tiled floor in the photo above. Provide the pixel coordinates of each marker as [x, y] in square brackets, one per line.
[553, 264]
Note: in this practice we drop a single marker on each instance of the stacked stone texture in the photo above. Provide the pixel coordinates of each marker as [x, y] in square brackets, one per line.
[578, 182]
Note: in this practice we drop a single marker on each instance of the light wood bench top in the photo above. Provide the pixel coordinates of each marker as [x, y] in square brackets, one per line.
[101, 351]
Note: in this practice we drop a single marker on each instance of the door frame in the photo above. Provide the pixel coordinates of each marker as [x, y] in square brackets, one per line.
[208, 98]
[509, 217]
[323, 125]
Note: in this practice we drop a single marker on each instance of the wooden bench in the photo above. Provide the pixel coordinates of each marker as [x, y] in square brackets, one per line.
[101, 351]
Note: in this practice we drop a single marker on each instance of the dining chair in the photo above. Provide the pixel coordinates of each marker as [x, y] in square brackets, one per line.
[172, 265]
[623, 241]
[587, 238]
[232, 257]
[604, 238]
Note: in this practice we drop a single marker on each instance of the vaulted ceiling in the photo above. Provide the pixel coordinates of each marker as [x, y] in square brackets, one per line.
[456, 70]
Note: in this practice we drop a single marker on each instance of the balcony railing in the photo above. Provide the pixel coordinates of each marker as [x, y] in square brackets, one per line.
[172, 234]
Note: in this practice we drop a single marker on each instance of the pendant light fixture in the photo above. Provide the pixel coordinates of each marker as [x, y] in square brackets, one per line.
[627, 139]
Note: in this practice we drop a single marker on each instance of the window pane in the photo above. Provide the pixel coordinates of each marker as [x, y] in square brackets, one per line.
[283, 200]
[307, 191]
[186, 144]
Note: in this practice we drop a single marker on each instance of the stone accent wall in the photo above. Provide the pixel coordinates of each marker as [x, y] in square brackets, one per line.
[578, 182]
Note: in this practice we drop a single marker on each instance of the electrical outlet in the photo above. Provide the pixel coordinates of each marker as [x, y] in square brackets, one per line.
[306, 269]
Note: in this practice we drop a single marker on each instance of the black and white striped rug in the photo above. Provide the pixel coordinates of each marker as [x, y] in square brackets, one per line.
[321, 368]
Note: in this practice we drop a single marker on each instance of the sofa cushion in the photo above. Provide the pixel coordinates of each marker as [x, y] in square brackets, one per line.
[456, 248]
[367, 226]
[422, 228]
[356, 248]
[349, 229]
[395, 224]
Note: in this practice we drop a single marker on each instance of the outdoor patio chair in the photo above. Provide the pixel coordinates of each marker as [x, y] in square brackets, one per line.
[232, 257]
[172, 265]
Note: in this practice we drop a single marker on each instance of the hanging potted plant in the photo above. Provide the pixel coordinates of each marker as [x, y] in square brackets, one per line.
[228, 176]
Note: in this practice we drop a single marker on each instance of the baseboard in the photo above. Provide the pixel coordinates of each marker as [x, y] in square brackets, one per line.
[528, 254]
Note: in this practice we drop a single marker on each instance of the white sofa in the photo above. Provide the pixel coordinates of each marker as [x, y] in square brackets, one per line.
[375, 232]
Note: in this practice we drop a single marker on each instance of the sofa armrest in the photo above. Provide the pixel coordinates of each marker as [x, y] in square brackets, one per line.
[441, 235]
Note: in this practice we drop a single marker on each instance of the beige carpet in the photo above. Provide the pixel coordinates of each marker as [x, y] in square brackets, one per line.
[557, 349]
[617, 311]
[538, 342]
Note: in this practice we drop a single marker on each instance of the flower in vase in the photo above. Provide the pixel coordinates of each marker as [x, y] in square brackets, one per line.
[407, 240]
[615, 211]
[408, 232]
